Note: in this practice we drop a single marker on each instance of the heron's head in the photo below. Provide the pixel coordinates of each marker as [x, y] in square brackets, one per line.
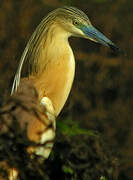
[77, 23]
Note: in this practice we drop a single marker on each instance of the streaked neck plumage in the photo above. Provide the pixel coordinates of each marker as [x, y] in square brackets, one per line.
[55, 78]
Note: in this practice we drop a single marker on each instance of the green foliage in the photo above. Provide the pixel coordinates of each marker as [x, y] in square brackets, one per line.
[67, 170]
[68, 128]
[103, 178]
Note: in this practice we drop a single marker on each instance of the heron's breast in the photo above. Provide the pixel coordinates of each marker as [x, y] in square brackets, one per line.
[56, 80]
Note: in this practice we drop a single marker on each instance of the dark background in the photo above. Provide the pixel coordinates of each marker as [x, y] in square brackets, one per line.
[102, 95]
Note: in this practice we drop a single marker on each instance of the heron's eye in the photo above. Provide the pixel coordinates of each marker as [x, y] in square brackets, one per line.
[75, 22]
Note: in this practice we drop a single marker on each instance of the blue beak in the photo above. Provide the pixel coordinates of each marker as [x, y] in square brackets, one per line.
[95, 35]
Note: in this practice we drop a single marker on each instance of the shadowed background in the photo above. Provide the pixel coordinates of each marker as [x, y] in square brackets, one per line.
[101, 97]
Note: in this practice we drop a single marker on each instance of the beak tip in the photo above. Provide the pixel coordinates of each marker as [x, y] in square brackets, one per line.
[115, 49]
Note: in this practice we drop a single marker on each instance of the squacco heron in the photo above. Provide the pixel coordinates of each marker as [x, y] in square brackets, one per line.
[52, 65]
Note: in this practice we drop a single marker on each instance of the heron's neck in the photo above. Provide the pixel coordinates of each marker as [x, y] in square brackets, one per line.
[56, 79]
